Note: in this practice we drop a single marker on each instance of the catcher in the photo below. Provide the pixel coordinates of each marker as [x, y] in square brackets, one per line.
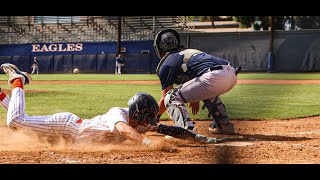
[128, 123]
[200, 76]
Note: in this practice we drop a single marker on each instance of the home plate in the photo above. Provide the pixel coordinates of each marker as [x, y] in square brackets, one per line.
[234, 144]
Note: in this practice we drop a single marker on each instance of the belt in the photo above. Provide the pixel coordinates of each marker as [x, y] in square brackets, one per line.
[212, 69]
[216, 68]
[238, 69]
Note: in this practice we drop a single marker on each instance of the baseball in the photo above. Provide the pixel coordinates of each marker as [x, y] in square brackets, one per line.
[76, 71]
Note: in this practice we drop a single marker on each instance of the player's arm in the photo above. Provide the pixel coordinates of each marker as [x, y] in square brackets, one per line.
[130, 133]
[181, 133]
[161, 102]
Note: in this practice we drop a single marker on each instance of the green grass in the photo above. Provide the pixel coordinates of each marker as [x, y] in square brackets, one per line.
[242, 102]
[285, 76]
[273, 101]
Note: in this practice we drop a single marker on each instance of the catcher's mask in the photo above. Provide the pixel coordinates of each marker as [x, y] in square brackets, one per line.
[166, 41]
[143, 108]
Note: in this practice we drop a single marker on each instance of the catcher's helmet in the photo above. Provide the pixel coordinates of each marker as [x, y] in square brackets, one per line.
[143, 106]
[166, 41]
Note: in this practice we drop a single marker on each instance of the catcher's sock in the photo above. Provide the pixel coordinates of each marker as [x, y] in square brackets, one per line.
[17, 83]
[2, 95]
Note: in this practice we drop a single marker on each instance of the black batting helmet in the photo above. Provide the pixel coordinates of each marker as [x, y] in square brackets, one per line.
[166, 41]
[142, 106]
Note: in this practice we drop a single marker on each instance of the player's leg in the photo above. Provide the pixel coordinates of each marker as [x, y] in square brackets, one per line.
[208, 87]
[33, 69]
[63, 124]
[119, 68]
[221, 123]
[116, 68]
[59, 124]
[192, 91]
[176, 109]
[5, 99]
[16, 106]
[14, 73]
[220, 82]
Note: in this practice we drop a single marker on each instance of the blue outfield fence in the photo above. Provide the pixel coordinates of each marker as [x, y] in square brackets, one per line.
[93, 63]
[88, 57]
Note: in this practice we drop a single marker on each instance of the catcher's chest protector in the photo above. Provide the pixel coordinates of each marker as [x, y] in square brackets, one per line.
[187, 53]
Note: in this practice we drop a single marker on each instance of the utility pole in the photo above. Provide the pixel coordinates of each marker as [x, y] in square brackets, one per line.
[270, 54]
[119, 36]
[212, 21]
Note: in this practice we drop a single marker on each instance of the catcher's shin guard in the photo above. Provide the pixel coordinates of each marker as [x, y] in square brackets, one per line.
[177, 111]
[218, 112]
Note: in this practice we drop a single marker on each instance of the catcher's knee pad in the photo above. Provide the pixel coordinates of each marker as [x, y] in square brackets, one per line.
[177, 115]
[177, 111]
[171, 96]
[217, 110]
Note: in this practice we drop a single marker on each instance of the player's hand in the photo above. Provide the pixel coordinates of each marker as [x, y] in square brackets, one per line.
[211, 140]
[201, 138]
[205, 140]
[194, 107]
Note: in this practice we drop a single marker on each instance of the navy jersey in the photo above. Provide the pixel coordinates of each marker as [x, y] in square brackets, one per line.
[171, 70]
[35, 62]
[120, 60]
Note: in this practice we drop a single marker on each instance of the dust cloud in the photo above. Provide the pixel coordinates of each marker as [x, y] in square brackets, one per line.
[28, 142]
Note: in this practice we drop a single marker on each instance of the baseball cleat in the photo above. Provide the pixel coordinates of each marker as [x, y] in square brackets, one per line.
[13, 72]
[225, 129]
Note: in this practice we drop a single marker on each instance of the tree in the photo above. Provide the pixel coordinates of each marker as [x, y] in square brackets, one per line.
[212, 21]
[246, 21]
[307, 22]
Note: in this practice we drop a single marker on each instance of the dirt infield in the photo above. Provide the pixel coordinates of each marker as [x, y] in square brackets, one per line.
[293, 141]
[260, 142]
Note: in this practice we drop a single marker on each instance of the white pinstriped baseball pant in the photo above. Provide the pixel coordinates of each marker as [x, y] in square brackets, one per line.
[59, 124]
